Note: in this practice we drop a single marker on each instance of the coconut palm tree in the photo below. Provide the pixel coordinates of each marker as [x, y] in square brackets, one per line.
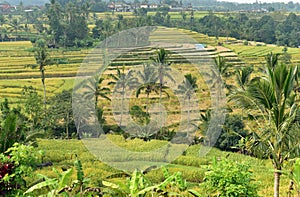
[123, 80]
[272, 60]
[187, 89]
[94, 88]
[15, 26]
[149, 83]
[217, 76]
[220, 72]
[42, 59]
[162, 68]
[243, 76]
[269, 95]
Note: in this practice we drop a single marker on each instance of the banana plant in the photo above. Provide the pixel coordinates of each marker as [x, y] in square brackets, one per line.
[62, 186]
[138, 185]
[55, 186]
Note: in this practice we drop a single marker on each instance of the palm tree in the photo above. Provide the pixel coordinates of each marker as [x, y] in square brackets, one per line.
[221, 72]
[162, 65]
[187, 89]
[217, 74]
[15, 26]
[42, 59]
[243, 79]
[149, 84]
[205, 119]
[270, 95]
[272, 60]
[3, 33]
[243, 76]
[94, 89]
[123, 80]
[86, 8]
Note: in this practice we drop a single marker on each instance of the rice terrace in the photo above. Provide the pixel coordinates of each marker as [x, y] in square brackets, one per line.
[145, 98]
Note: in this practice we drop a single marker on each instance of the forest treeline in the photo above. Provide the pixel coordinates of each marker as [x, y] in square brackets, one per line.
[214, 5]
[265, 29]
[70, 25]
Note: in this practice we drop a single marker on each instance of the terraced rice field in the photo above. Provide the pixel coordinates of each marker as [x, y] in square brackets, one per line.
[254, 55]
[16, 56]
[15, 72]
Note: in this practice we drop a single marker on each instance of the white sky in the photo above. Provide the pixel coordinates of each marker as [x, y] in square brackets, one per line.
[267, 1]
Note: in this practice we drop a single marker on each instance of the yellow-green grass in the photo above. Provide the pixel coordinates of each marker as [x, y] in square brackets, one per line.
[12, 89]
[256, 54]
[103, 15]
[197, 14]
[57, 76]
[62, 154]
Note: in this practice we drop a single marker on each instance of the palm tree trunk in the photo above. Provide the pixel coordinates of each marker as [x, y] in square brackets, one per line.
[122, 104]
[44, 89]
[96, 101]
[147, 107]
[160, 95]
[276, 183]
[188, 124]
[161, 80]
[67, 125]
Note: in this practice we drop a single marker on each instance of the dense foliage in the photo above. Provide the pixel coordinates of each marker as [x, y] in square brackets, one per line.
[16, 163]
[67, 22]
[273, 94]
[227, 178]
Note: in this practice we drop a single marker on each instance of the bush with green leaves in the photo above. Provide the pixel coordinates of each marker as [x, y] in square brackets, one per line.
[227, 178]
[62, 185]
[15, 127]
[232, 132]
[12, 126]
[59, 117]
[16, 163]
[138, 115]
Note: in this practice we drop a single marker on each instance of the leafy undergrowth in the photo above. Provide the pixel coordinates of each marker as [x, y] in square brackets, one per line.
[193, 166]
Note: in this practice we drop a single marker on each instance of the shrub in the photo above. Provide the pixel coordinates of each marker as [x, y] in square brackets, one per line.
[232, 132]
[228, 178]
[15, 164]
[63, 186]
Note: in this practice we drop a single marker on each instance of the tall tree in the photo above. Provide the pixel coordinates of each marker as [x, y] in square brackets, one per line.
[271, 96]
[148, 84]
[123, 80]
[162, 68]
[15, 26]
[187, 89]
[60, 116]
[220, 72]
[42, 59]
[55, 16]
[94, 88]
[243, 76]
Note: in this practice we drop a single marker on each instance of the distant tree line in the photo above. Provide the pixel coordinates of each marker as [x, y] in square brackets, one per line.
[284, 32]
[230, 6]
[264, 29]
[64, 23]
